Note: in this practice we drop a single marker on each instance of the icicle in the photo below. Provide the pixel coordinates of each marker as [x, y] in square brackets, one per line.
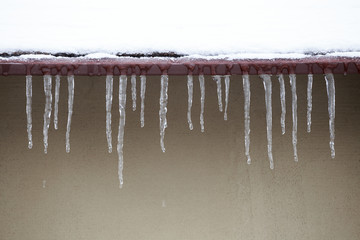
[246, 87]
[109, 98]
[70, 110]
[28, 109]
[217, 79]
[227, 88]
[283, 103]
[142, 96]
[47, 112]
[56, 104]
[330, 88]
[267, 87]
[163, 109]
[133, 91]
[294, 114]
[190, 85]
[309, 101]
[202, 100]
[122, 105]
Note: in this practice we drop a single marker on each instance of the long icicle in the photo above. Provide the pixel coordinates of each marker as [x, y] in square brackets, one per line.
[294, 114]
[122, 105]
[56, 103]
[70, 110]
[142, 97]
[190, 86]
[217, 79]
[28, 109]
[163, 109]
[202, 100]
[109, 98]
[227, 88]
[47, 111]
[133, 91]
[267, 87]
[283, 102]
[309, 101]
[330, 89]
[247, 93]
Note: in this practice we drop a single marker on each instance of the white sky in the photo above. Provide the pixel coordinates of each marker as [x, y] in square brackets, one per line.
[190, 27]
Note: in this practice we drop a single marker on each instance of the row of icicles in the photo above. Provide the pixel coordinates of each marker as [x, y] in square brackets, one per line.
[330, 86]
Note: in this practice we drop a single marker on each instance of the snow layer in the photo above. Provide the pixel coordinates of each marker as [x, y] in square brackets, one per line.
[207, 28]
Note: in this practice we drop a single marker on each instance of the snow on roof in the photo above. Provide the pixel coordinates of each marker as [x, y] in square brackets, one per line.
[200, 28]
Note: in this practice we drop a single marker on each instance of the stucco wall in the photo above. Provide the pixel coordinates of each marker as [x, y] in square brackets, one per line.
[201, 188]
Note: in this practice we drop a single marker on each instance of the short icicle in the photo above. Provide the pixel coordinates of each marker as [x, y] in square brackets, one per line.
[309, 101]
[133, 91]
[227, 88]
[47, 111]
[163, 109]
[109, 98]
[330, 89]
[283, 103]
[190, 86]
[247, 93]
[217, 79]
[70, 79]
[294, 114]
[267, 87]
[122, 105]
[202, 100]
[56, 103]
[142, 98]
[28, 109]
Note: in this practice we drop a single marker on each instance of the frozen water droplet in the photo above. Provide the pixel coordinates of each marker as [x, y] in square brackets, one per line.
[283, 103]
[294, 114]
[267, 87]
[330, 89]
[109, 98]
[190, 85]
[47, 111]
[133, 91]
[309, 102]
[44, 183]
[163, 109]
[56, 104]
[28, 109]
[247, 93]
[70, 110]
[202, 100]
[122, 106]
[227, 88]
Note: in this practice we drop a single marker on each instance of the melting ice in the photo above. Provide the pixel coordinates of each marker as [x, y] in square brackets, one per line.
[294, 113]
[267, 87]
[190, 86]
[142, 98]
[309, 102]
[56, 104]
[47, 111]
[122, 105]
[217, 79]
[283, 104]
[202, 100]
[246, 87]
[70, 110]
[227, 88]
[28, 109]
[330, 89]
[163, 109]
[109, 97]
[133, 91]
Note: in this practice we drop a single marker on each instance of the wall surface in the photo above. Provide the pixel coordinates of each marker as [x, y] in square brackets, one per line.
[201, 188]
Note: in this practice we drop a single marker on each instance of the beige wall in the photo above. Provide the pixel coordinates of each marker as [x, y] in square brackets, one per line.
[201, 188]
